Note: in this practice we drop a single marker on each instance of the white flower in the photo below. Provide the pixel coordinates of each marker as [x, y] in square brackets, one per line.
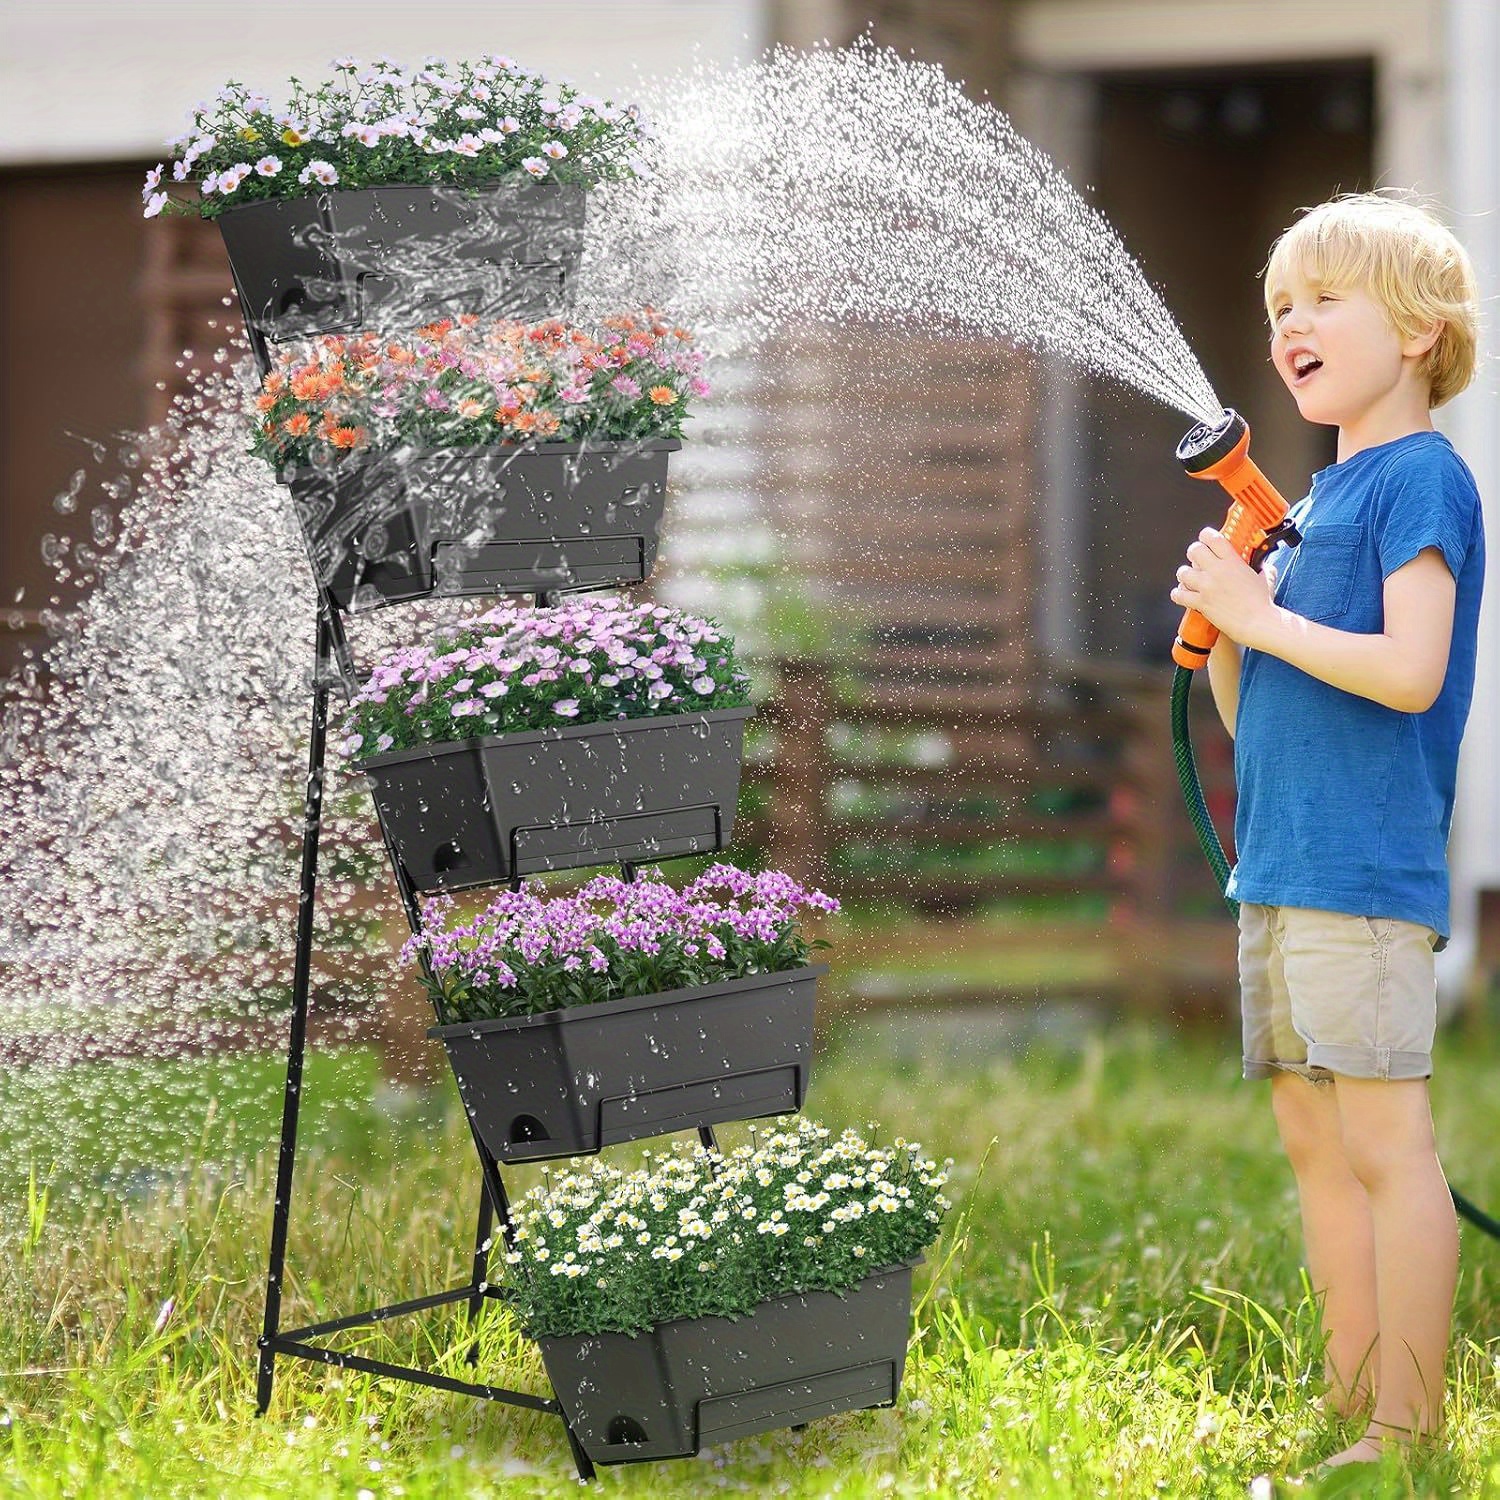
[555, 149]
[468, 112]
[180, 170]
[366, 135]
[510, 125]
[549, 104]
[344, 64]
[468, 145]
[230, 180]
[318, 171]
[535, 165]
[153, 180]
[268, 166]
[155, 204]
[211, 183]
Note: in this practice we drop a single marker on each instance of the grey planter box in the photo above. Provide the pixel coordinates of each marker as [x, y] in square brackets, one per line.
[474, 812]
[681, 1386]
[501, 520]
[399, 256]
[568, 1082]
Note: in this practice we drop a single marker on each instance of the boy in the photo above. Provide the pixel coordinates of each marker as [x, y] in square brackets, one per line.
[1348, 673]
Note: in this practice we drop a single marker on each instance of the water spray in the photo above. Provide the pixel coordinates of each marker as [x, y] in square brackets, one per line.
[1256, 525]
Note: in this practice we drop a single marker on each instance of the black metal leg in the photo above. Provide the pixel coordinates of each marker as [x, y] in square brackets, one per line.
[584, 1462]
[312, 812]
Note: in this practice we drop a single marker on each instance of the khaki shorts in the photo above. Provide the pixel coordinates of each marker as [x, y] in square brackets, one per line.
[1323, 993]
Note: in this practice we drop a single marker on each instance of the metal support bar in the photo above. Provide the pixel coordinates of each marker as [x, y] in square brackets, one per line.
[345, 1361]
[377, 1314]
[312, 814]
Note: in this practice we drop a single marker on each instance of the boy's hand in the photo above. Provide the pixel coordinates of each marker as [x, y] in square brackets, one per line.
[1224, 588]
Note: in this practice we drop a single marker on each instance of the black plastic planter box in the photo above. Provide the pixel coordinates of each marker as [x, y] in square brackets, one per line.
[473, 812]
[568, 1082]
[685, 1385]
[402, 255]
[512, 519]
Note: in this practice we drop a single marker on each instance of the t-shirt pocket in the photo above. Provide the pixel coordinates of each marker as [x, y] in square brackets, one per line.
[1320, 581]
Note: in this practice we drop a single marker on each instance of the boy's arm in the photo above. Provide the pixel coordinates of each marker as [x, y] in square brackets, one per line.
[1401, 667]
[1224, 663]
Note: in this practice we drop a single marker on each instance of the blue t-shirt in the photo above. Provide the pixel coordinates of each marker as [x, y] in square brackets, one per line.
[1344, 805]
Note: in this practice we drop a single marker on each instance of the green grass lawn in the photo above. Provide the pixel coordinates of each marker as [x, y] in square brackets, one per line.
[1115, 1309]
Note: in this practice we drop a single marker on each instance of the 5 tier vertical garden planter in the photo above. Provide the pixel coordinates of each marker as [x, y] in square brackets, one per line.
[452, 505]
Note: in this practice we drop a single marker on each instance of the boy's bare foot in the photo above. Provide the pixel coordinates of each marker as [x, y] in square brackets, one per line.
[1379, 1436]
[1366, 1451]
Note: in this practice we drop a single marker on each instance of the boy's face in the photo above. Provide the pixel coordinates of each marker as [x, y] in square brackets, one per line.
[1335, 348]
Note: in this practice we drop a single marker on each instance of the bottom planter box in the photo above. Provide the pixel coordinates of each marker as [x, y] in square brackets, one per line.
[567, 1082]
[684, 1385]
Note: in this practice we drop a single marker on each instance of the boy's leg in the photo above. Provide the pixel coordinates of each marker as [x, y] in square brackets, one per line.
[1337, 1232]
[1389, 1141]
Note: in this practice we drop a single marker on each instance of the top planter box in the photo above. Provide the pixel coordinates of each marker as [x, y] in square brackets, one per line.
[400, 256]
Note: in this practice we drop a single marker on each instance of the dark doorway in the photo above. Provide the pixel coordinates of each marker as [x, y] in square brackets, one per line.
[1199, 172]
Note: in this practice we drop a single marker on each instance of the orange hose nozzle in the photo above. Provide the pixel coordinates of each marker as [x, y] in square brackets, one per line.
[1221, 450]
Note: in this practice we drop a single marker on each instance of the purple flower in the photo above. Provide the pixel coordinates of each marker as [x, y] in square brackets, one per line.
[567, 707]
[625, 386]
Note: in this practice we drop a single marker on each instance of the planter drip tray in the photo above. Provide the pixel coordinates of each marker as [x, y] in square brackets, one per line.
[568, 1082]
[475, 812]
[676, 1388]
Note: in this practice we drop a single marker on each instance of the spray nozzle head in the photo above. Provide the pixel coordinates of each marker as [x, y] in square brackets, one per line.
[1209, 442]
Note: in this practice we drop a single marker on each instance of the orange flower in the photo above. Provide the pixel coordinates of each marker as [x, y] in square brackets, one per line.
[275, 382]
[265, 402]
[524, 421]
[662, 395]
[547, 422]
[470, 409]
[297, 425]
[346, 437]
[438, 329]
[307, 385]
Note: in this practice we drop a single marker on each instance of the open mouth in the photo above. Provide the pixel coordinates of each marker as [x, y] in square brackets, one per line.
[1304, 367]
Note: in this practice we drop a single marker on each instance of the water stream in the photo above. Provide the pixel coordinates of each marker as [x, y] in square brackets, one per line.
[151, 802]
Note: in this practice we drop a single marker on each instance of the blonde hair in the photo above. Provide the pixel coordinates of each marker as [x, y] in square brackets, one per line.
[1406, 259]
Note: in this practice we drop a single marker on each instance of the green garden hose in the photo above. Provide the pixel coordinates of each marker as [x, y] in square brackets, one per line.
[1218, 862]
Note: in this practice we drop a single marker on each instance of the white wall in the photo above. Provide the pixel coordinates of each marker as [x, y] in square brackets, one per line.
[98, 80]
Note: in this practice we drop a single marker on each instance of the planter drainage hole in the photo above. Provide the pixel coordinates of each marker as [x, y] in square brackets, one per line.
[625, 1430]
[529, 1128]
[447, 857]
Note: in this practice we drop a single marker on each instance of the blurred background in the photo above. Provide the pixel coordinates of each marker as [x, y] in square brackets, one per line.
[981, 767]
